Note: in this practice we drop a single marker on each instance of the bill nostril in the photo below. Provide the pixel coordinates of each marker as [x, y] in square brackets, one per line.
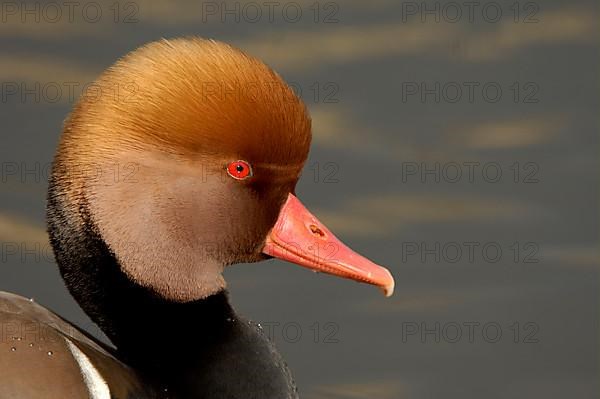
[316, 230]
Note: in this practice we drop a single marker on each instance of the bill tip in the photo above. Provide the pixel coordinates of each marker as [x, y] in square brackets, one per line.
[388, 289]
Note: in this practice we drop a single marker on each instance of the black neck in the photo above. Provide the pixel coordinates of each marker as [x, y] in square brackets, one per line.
[133, 317]
[188, 347]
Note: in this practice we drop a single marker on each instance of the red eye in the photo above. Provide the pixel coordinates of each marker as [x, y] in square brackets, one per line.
[239, 170]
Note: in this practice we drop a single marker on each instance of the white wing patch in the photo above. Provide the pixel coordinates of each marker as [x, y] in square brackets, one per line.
[94, 382]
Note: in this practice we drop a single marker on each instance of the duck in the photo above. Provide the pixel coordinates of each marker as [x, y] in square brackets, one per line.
[180, 160]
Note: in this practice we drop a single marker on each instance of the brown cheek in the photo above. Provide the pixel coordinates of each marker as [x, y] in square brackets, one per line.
[271, 196]
[254, 214]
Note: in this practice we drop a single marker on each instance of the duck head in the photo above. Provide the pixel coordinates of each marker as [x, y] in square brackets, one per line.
[184, 157]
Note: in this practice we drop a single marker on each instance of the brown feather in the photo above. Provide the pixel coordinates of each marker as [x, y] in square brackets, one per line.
[175, 112]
